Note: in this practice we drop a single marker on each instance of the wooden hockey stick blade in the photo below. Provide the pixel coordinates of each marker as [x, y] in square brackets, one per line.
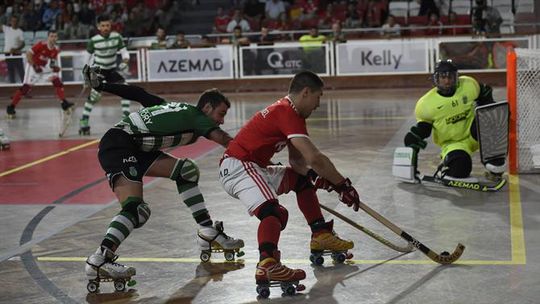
[377, 237]
[438, 258]
[477, 186]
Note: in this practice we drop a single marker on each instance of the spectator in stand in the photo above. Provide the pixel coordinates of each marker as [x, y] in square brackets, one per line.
[166, 12]
[265, 38]
[181, 42]
[273, 9]
[238, 20]
[310, 14]
[329, 17]
[220, 21]
[161, 40]
[49, 15]
[375, 13]
[68, 12]
[296, 11]
[3, 15]
[13, 45]
[254, 11]
[206, 42]
[132, 27]
[237, 38]
[86, 15]
[77, 30]
[427, 7]
[391, 28]
[313, 52]
[117, 25]
[353, 19]
[435, 26]
[486, 19]
[337, 34]
[31, 21]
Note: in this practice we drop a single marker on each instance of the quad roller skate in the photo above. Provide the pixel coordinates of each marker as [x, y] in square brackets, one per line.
[213, 239]
[327, 242]
[271, 273]
[84, 128]
[4, 141]
[10, 112]
[100, 267]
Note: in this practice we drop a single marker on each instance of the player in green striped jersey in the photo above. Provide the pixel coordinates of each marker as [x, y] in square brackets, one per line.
[132, 149]
[104, 48]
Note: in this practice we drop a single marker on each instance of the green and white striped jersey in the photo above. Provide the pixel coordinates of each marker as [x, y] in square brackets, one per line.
[105, 49]
[168, 125]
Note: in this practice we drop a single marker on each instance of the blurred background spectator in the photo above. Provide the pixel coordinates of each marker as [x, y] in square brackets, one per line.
[180, 42]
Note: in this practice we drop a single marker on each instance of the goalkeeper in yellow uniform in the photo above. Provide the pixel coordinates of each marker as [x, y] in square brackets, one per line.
[448, 112]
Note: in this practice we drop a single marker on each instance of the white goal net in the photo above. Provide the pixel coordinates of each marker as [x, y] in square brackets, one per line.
[528, 110]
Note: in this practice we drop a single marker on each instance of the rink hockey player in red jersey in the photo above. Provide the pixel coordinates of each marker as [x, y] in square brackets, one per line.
[42, 65]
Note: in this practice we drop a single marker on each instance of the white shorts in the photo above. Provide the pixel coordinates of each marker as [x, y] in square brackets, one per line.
[31, 77]
[250, 183]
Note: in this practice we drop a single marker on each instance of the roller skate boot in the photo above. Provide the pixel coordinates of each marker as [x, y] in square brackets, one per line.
[4, 141]
[271, 273]
[92, 76]
[213, 239]
[67, 112]
[101, 267]
[10, 111]
[84, 127]
[327, 242]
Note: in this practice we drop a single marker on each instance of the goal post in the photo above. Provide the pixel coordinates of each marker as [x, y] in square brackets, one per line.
[523, 93]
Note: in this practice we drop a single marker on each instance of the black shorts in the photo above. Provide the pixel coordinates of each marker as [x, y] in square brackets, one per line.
[119, 155]
[112, 76]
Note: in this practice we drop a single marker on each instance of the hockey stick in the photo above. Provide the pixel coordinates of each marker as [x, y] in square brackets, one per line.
[478, 186]
[67, 117]
[443, 258]
[377, 237]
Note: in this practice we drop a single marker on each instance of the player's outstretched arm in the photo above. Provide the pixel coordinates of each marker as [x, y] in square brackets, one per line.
[132, 92]
[219, 136]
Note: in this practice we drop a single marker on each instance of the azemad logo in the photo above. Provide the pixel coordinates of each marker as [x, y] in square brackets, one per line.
[189, 65]
[275, 60]
[460, 184]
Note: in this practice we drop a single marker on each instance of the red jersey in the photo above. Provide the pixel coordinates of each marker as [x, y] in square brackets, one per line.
[41, 53]
[267, 132]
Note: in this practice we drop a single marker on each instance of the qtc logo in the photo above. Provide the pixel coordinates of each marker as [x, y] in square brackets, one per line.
[275, 60]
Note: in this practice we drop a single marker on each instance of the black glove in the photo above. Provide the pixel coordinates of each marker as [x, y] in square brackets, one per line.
[414, 140]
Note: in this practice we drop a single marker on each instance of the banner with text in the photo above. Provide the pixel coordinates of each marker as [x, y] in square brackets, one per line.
[190, 64]
[282, 60]
[382, 57]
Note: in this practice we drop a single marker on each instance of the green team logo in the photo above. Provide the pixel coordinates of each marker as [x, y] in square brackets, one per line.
[132, 171]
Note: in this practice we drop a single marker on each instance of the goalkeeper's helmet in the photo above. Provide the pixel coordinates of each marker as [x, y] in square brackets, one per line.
[445, 69]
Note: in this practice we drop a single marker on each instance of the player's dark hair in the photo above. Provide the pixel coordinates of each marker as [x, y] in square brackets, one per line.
[214, 97]
[103, 17]
[51, 32]
[305, 79]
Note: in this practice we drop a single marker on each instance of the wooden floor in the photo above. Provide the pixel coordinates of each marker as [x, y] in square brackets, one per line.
[55, 206]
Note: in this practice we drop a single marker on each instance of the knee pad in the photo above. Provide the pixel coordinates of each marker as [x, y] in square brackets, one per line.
[57, 83]
[137, 211]
[94, 96]
[273, 208]
[458, 164]
[185, 171]
[25, 88]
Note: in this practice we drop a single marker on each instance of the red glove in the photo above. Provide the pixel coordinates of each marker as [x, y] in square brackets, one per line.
[319, 182]
[55, 69]
[347, 194]
[38, 68]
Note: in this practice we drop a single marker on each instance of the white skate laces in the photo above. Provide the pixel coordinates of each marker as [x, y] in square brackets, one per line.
[102, 264]
[213, 236]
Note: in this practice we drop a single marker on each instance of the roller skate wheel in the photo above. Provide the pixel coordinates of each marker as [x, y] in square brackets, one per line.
[205, 256]
[92, 286]
[339, 257]
[131, 283]
[120, 285]
[288, 288]
[229, 256]
[316, 259]
[300, 287]
[263, 291]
